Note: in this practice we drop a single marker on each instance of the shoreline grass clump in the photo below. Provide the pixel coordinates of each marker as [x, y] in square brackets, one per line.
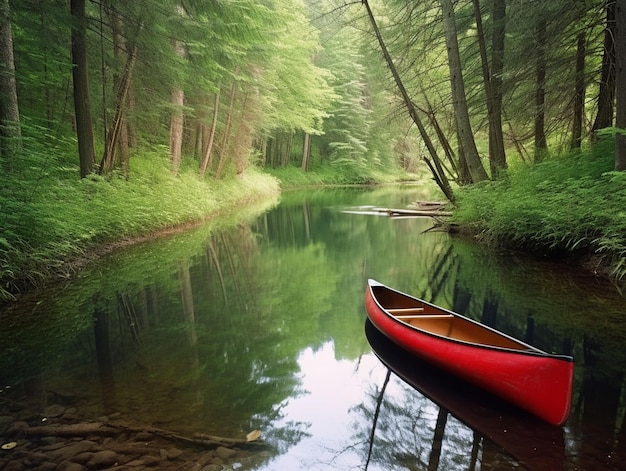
[570, 205]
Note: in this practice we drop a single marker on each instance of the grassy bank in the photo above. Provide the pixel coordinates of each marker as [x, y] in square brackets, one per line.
[49, 216]
[568, 206]
[336, 174]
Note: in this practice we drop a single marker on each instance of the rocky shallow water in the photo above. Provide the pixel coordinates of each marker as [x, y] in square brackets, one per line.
[59, 439]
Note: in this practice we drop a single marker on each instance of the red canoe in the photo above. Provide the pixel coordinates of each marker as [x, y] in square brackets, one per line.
[539, 382]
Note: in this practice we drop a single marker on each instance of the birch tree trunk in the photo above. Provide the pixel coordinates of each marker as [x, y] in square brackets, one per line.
[459, 100]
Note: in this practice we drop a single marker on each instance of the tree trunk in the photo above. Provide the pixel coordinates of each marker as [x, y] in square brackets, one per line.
[226, 132]
[606, 93]
[208, 148]
[130, 124]
[9, 110]
[443, 140]
[286, 157]
[620, 85]
[82, 107]
[243, 137]
[540, 93]
[493, 92]
[441, 179]
[176, 119]
[579, 95]
[176, 129]
[306, 151]
[117, 131]
[119, 44]
[464, 128]
[497, 155]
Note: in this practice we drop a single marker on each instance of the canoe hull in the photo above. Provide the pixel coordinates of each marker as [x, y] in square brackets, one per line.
[538, 382]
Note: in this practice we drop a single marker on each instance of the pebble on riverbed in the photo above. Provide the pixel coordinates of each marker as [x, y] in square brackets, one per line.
[139, 451]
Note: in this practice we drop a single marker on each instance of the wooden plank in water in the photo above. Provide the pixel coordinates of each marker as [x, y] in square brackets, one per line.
[413, 212]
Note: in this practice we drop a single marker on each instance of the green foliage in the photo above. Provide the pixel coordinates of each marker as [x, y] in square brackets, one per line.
[296, 91]
[49, 215]
[564, 205]
[343, 172]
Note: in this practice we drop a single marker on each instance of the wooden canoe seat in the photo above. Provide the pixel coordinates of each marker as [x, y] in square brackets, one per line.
[408, 313]
[405, 310]
[424, 316]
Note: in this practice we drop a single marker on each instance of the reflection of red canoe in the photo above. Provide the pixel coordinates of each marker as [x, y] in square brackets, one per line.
[532, 379]
[533, 442]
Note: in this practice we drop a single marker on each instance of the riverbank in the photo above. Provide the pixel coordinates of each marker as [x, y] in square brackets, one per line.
[569, 207]
[66, 221]
[53, 226]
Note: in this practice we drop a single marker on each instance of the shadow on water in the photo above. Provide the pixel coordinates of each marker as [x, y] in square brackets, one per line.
[257, 323]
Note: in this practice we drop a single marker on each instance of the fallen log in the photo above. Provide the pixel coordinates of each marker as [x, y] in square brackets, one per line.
[429, 205]
[110, 430]
[414, 212]
[72, 430]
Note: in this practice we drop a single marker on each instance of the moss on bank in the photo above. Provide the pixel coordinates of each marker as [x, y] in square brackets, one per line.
[571, 205]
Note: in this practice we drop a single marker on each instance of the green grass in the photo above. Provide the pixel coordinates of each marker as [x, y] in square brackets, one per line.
[48, 215]
[338, 173]
[569, 205]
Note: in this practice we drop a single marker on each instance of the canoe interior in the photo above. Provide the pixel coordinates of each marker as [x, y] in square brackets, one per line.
[440, 322]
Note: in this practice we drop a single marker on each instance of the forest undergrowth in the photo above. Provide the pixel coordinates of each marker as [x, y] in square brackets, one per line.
[571, 206]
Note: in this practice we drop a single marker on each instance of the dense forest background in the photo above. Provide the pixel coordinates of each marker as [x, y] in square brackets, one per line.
[272, 83]
[457, 91]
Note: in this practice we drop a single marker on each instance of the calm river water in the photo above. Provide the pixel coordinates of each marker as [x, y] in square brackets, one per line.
[258, 324]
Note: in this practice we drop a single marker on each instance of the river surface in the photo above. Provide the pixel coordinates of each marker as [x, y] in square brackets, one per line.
[258, 324]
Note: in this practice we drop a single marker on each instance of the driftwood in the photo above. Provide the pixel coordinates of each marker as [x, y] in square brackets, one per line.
[414, 212]
[72, 430]
[429, 205]
[431, 209]
[110, 430]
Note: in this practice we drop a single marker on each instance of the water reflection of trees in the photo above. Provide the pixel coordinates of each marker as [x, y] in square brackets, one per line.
[408, 431]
